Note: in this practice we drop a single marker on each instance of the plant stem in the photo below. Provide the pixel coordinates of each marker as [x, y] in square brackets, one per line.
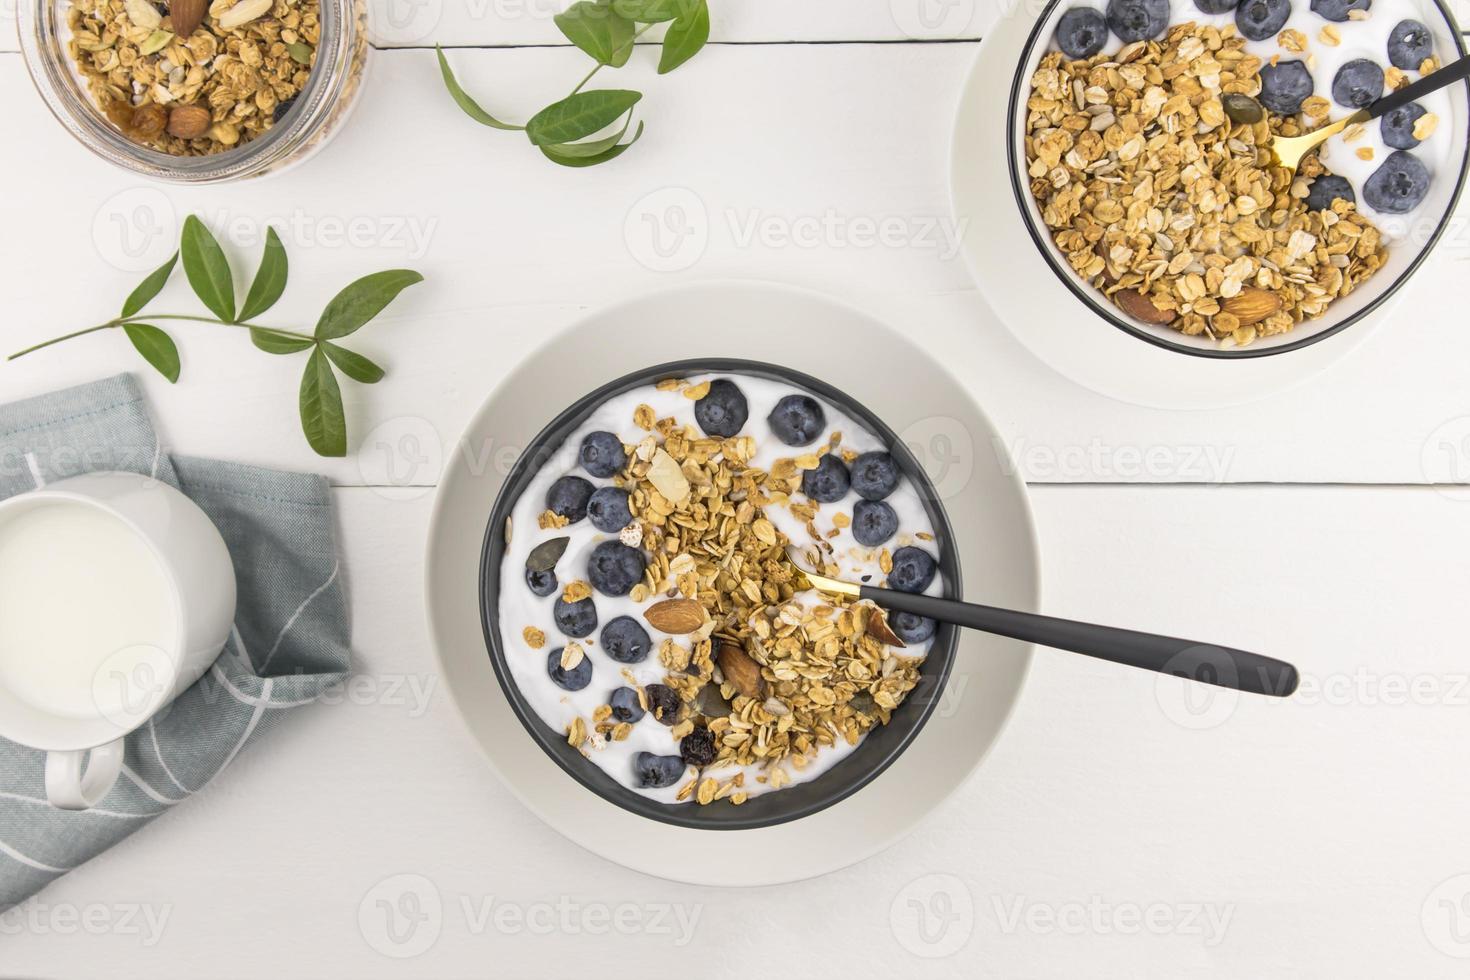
[145, 317]
[598, 67]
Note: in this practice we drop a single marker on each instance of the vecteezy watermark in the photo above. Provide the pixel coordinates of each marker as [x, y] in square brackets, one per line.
[1207, 921]
[1446, 917]
[1098, 460]
[928, 19]
[402, 458]
[403, 916]
[137, 229]
[933, 916]
[945, 450]
[670, 229]
[145, 922]
[398, 22]
[1444, 458]
[1198, 706]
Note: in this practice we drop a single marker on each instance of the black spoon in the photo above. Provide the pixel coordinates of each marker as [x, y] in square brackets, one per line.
[1203, 662]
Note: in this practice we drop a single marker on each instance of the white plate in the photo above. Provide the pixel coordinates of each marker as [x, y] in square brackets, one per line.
[1045, 316]
[878, 366]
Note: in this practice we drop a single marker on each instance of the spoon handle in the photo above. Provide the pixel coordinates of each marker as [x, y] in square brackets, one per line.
[1205, 662]
[1433, 82]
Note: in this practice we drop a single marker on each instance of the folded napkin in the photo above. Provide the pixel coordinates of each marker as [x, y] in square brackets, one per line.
[289, 644]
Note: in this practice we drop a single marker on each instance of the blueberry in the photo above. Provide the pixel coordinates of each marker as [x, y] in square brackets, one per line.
[608, 509]
[1258, 20]
[798, 419]
[1328, 188]
[698, 747]
[279, 112]
[615, 568]
[625, 705]
[568, 497]
[827, 483]
[723, 410]
[657, 771]
[1082, 32]
[541, 583]
[1138, 20]
[874, 475]
[913, 570]
[575, 619]
[911, 628]
[1338, 10]
[1397, 127]
[663, 701]
[1409, 43]
[1215, 6]
[873, 522]
[1357, 83]
[625, 640]
[572, 680]
[1285, 86]
[1398, 186]
[602, 454]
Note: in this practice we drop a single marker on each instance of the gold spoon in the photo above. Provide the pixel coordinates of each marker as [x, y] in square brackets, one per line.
[1287, 151]
[1204, 662]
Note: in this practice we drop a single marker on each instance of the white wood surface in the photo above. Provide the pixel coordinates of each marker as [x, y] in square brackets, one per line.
[1323, 826]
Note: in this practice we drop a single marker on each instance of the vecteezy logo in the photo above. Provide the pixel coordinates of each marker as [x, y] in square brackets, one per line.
[401, 916]
[1189, 691]
[135, 230]
[401, 459]
[404, 21]
[130, 682]
[932, 18]
[943, 448]
[668, 230]
[1444, 459]
[933, 916]
[1446, 917]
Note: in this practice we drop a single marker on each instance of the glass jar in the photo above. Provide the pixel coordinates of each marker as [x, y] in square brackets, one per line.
[322, 105]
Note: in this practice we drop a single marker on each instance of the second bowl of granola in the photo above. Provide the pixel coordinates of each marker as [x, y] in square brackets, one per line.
[651, 634]
[194, 91]
[1135, 158]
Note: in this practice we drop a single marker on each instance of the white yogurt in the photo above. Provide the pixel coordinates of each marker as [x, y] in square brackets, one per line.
[1360, 39]
[519, 607]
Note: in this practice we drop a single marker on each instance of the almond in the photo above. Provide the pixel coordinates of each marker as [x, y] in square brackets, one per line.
[186, 15]
[740, 670]
[676, 616]
[1140, 307]
[667, 478]
[188, 122]
[1252, 305]
[879, 629]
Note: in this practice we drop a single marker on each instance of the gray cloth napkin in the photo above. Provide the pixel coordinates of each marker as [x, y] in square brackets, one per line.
[289, 644]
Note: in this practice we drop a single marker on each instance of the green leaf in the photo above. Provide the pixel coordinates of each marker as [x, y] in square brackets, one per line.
[149, 288]
[275, 342]
[653, 11]
[579, 115]
[322, 418]
[686, 35]
[270, 278]
[157, 348]
[599, 31]
[592, 153]
[470, 106]
[353, 364]
[363, 300]
[208, 269]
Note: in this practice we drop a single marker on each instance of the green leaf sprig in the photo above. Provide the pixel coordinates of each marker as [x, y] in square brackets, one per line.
[606, 30]
[208, 271]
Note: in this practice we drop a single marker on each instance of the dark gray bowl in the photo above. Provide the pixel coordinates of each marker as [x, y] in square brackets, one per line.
[881, 747]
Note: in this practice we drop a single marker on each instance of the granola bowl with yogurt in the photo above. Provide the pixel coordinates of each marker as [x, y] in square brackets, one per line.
[1137, 156]
[646, 621]
[197, 91]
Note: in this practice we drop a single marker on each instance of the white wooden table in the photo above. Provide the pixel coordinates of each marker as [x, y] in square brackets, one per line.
[1113, 833]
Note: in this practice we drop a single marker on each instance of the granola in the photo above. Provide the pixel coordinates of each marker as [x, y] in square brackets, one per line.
[224, 83]
[1165, 201]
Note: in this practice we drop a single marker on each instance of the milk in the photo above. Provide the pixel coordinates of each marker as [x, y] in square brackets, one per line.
[86, 610]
